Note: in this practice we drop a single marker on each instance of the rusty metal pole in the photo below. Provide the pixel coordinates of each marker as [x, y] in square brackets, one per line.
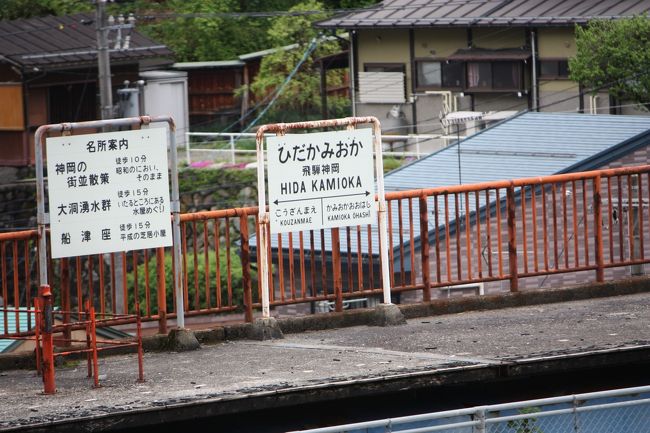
[263, 218]
[336, 270]
[424, 249]
[162, 291]
[138, 330]
[49, 385]
[598, 231]
[512, 239]
[245, 266]
[93, 336]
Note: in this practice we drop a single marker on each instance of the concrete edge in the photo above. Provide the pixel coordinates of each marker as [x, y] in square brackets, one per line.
[362, 317]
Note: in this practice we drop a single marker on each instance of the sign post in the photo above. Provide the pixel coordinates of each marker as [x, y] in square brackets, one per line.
[320, 180]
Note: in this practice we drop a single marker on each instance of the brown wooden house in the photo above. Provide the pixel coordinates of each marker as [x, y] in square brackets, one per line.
[48, 74]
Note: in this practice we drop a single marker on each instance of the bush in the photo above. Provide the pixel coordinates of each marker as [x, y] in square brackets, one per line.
[200, 271]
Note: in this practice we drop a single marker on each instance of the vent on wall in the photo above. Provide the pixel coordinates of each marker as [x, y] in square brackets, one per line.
[382, 87]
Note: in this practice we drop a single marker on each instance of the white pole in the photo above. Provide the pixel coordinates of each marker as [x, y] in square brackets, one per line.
[187, 148]
[383, 230]
[263, 218]
[176, 229]
[232, 148]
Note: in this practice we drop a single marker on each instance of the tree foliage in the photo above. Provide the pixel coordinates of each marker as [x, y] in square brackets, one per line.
[614, 55]
[14, 9]
[302, 94]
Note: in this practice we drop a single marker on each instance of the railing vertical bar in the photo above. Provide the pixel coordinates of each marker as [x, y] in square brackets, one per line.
[576, 233]
[102, 284]
[66, 295]
[195, 260]
[228, 260]
[5, 295]
[479, 244]
[390, 241]
[16, 284]
[147, 285]
[28, 291]
[359, 261]
[412, 241]
[524, 238]
[91, 285]
[556, 246]
[400, 227]
[257, 257]
[488, 231]
[447, 235]
[79, 284]
[565, 228]
[371, 266]
[458, 223]
[610, 222]
[113, 284]
[245, 266]
[312, 262]
[436, 231]
[323, 263]
[206, 262]
[598, 231]
[585, 220]
[217, 261]
[186, 288]
[640, 210]
[545, 228]
[136, 292]
[161, 292]
[621, 241]
[512, 239]
[424, 248]
[269, 263]
[468, 238]
[336, 269]
[630, 217]
[280, 267]
[499, 230]
[348, 236]
[533, 207]
[303, 276]
[292, 273]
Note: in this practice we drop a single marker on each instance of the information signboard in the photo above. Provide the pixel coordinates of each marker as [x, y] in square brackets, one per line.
[321, 180]
[108, 192]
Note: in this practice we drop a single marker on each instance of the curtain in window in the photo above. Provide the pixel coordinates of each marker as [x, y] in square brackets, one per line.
[472, 74]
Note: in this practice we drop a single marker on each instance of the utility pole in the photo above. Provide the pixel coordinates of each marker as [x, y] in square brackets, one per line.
[103, 61]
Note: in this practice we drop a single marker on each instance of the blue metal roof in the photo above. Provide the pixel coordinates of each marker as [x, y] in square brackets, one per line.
[530, 144]
[23, 325]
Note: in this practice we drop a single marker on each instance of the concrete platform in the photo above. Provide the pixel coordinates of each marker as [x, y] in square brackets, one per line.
[320, 366]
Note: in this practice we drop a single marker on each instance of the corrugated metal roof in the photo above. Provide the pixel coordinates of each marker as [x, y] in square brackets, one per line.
[464, 13]
[57, 41]
[531, 144]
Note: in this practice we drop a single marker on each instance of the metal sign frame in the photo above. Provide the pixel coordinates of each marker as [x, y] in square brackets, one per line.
[263, 215]
[43, 218]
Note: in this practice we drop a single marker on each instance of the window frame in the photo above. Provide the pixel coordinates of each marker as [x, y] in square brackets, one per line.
[442, 63]
[555, 76]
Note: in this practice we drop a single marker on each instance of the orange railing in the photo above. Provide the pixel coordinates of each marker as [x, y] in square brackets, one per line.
[505, 235]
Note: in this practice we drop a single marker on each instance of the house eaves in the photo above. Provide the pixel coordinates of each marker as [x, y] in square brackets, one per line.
[454, 13]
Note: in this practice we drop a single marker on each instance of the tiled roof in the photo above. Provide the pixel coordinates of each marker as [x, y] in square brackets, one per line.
[64, 41]
[464, 13]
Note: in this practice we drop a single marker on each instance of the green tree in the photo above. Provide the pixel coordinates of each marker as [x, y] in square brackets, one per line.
[301, 95]
[614, 55]
[14, 9]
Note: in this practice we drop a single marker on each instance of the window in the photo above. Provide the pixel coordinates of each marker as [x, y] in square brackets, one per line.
[506, 75]
[384, 67]
[479, 75]
[429, 74]
[502, 75]
[439, 74]
[554, 69]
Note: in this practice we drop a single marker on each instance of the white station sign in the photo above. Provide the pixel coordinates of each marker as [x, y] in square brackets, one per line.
[108, 192]
[321, 180]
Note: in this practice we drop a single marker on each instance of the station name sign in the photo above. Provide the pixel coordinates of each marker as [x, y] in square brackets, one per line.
[108, 192]
[321, 180]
